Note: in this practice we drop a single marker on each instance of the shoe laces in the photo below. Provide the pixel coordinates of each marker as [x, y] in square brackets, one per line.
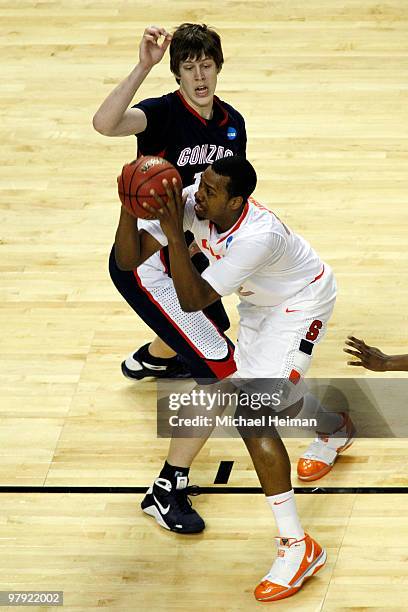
[183, 500]
[286, 563]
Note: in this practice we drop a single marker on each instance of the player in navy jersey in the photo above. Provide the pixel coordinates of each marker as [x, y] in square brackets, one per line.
[185, 138]
[191, 128]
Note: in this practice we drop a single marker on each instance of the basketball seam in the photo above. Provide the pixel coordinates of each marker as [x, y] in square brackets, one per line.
[146, 180]
[133, 198]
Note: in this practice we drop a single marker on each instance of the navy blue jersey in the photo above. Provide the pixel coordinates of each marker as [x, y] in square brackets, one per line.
[187, 140]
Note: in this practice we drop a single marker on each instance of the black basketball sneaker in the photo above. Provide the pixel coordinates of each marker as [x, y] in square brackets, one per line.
[169, 504]
[141, 365]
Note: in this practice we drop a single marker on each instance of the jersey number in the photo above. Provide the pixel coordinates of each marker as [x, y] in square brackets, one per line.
[197, 179]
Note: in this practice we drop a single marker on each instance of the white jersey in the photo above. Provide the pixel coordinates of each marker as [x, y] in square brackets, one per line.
[259, 258]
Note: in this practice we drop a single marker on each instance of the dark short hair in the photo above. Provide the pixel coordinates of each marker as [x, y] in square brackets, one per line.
[241, 174]
[192, 41]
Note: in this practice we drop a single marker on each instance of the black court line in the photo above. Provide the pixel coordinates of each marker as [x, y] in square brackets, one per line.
[207, 490]
[224, 472]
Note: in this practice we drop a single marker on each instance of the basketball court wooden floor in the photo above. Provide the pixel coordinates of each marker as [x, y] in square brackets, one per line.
[328, 135]
[90, 539]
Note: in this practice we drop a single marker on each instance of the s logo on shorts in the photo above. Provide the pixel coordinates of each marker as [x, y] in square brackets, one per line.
[314, 330]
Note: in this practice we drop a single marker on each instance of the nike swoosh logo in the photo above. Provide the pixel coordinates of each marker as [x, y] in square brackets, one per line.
[281, 502]
[287, 310]
[161, 508]
[150, 366]
[309, 558]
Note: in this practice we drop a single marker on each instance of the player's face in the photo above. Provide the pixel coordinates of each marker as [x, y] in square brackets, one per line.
[212, 196]
[198, 80]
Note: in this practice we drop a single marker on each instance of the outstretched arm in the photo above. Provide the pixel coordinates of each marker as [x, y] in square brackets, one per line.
[372, 358]
[114, 118]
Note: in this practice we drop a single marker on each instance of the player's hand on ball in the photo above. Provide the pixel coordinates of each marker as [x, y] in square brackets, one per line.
[137, 180]
[369, 357]
[150, 50]
[170, 210]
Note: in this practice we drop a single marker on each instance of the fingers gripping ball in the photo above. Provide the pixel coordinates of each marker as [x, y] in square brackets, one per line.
[139, 177]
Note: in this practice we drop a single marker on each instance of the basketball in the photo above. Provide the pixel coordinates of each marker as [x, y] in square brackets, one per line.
[139, 177]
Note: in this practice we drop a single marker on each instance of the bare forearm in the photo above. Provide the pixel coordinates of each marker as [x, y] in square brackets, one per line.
[127, 243]
[397, 363]
[112, 109]
[193, 292]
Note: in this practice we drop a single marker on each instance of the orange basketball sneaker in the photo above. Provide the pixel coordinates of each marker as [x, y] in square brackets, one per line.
[321, 454]
[297, 560]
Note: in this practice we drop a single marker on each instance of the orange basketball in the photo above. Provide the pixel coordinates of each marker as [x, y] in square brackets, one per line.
[139, 177]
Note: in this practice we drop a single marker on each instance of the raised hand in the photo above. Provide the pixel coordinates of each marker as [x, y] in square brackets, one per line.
[150, 51]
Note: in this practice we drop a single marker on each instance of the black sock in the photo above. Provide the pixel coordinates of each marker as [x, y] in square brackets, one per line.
[148, 358]
[170, 472]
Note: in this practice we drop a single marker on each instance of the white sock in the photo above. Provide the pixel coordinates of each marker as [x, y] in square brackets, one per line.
[284, 510]
[312, 409]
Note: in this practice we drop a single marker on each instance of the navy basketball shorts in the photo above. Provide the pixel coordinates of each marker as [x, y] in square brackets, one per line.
[193, 335]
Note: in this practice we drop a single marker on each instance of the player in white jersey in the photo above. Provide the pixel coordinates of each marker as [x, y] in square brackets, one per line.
[286, 296]
[278, 276]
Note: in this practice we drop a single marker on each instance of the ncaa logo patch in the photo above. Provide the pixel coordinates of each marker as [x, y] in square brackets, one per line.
[231, 133]
[229, 240]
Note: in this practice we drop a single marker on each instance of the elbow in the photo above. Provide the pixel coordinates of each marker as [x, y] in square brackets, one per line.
[99, 125]
[195, 301]
[189, 306]
[125, 264]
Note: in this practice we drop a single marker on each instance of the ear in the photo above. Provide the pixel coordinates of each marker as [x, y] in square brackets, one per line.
[236, 203]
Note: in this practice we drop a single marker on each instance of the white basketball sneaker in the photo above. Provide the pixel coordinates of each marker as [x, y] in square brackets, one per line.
[297, 560]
